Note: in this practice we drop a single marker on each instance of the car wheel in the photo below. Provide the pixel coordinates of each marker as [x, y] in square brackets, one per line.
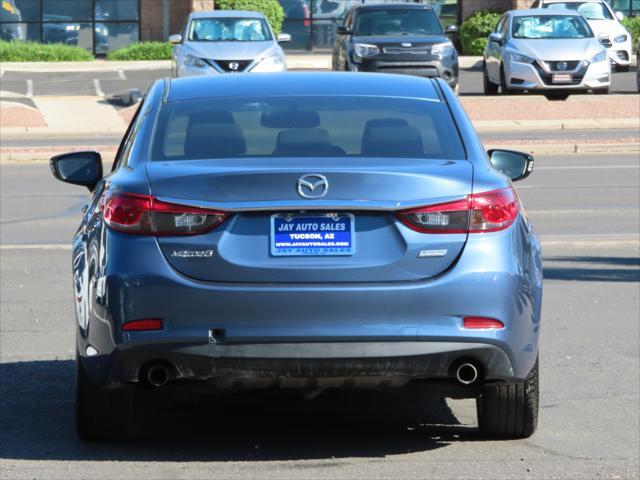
[601, 91]
[504, 89]
[102, 413]
[490, 88]
[622, 68]
[509, 410]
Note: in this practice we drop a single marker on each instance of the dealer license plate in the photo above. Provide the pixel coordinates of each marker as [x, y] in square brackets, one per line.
[312, 235]
[561, 78]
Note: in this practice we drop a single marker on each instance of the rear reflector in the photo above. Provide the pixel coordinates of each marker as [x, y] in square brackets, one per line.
[482, 323]
[142, 325]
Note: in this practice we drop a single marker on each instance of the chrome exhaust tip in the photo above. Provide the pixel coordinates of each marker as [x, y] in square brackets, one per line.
[157, 376]
[466, 373]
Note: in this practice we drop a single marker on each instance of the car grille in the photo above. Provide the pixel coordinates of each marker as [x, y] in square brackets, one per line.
[420, 50]
[570, 66]
[576, 76]
[622, 55]
[232, 66]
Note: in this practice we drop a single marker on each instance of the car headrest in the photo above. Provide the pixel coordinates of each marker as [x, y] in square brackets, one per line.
[380, 122]
[214, 140]
[394, 142]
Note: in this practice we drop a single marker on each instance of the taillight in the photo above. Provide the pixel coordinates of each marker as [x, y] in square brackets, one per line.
[146, 215]
[477, 213]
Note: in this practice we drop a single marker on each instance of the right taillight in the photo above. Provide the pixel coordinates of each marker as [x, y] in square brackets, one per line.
[476, 213]
[146, 215]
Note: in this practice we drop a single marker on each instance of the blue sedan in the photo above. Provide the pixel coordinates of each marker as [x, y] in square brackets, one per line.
[304, 231]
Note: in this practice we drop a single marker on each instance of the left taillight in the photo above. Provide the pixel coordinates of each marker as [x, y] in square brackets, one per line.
[146, 215]
[477, 213]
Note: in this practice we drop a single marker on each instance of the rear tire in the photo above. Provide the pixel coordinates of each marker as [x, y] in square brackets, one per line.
[489, 87]
[621, 68]
[511, 410]
[102, 413]
[601, 91]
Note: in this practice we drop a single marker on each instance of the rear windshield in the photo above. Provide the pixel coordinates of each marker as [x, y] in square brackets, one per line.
[306, 126]
[550, 27]
[397, 22]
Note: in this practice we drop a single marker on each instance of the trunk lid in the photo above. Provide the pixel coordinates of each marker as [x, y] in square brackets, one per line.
[253, 190]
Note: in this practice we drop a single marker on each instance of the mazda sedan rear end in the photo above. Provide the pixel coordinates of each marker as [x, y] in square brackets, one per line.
[304, 231]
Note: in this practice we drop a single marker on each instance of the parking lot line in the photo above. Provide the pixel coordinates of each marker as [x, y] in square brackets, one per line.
[96, 84]
[29, 88]
[122, 75]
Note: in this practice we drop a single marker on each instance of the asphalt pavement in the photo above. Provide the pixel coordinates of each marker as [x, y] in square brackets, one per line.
[587, 210]
[105, 83]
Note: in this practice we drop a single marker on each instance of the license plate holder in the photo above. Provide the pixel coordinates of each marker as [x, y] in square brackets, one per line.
[561, 78]
[312, 235]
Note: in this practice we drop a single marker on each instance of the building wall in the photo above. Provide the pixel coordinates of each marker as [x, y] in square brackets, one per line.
[471, 6]
[152, 19]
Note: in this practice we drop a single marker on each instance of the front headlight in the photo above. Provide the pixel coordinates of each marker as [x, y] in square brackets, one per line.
[365, 50]
[599, 57]
[517, 57]
[273, 63]
[442, 49]
[621, 38]
[191, 61]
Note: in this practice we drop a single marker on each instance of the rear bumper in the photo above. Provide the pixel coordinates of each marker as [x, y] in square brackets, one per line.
[307, 365]
[409, 329]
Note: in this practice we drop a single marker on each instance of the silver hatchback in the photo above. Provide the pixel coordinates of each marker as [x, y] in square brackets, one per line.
[545, 50]
[227, 41]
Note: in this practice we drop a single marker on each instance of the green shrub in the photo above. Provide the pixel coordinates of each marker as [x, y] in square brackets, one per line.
[143, 51]
[271, 9]
[475, 30]
[40, 52]
[633, 25]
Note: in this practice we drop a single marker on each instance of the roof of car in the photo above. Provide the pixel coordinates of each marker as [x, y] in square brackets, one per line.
[392, 6]
[301, 83]
[544, 11]
[226, 14]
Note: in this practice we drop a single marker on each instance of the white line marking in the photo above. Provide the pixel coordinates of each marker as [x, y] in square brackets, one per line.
[1, 73]
[121, 74]
[29, 88]
[96, 84]
[587, 167]
[36, 246]
[590, 243]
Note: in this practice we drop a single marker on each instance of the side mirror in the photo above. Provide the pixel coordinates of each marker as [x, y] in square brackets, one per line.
[343, 30]
[175, 39]
[78, 168]
[620, 16]
[451, 29]
[515, 165]
[284, 37]
[496, 37]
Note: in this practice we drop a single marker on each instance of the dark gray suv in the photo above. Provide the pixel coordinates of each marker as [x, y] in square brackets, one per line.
[396, 38]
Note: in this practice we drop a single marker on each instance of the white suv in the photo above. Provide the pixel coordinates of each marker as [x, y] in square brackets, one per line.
[606, 25]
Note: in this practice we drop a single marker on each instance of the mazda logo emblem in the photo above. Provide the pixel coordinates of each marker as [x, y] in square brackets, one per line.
[562, 65]
[234, 66]
[313, 186]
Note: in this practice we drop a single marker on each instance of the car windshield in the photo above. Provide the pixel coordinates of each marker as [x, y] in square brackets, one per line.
[397, 22]
[229, 30]
[306, 126]
[550, 27]
[589, 10]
